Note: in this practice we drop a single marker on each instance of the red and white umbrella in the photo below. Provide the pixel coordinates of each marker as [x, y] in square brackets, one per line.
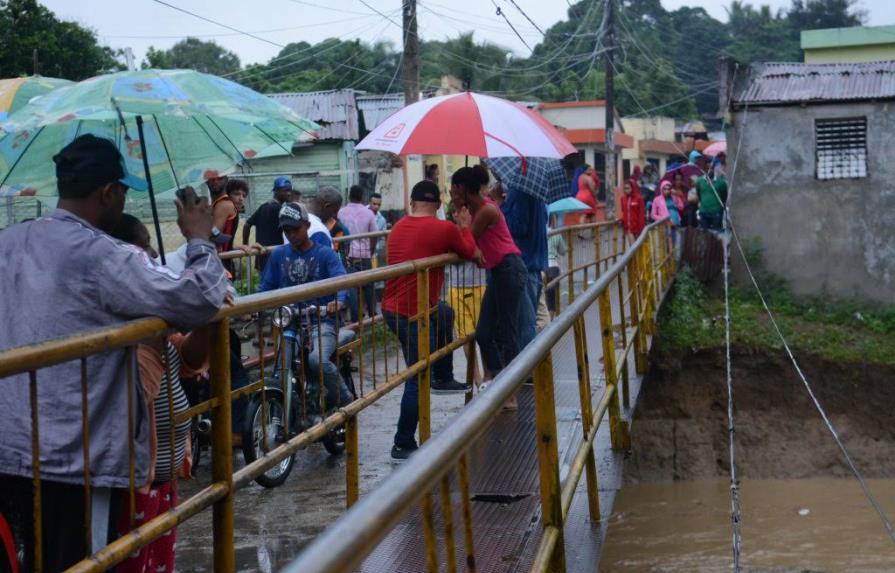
[468, 124]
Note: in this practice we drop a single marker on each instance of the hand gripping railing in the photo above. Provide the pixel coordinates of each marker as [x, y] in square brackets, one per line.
[649, 266]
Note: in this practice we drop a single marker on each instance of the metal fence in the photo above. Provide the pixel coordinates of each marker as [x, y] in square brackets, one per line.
[643, 274]
[595, 259]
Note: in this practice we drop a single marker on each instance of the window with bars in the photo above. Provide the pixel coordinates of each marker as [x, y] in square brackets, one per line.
[841, 148]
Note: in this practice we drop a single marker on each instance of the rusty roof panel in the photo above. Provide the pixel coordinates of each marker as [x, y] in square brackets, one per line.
[782, 83]
[334, 110]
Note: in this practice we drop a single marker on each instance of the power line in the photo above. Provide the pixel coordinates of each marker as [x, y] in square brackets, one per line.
[325, 7]
[216, 23]
[521, 11]
[230, 34]
[365, 3]
[510, 24]
[246, 74]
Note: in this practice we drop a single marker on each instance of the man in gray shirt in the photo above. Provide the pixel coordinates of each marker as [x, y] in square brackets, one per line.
[63, 274]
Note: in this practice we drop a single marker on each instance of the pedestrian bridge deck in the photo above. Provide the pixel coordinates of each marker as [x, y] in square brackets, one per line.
[504, 478]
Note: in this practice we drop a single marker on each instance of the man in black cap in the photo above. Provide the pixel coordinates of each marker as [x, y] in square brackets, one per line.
[63, 275]
[266, 220]
[418, 235]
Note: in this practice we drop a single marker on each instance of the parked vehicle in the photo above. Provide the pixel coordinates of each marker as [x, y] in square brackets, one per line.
[285, 411]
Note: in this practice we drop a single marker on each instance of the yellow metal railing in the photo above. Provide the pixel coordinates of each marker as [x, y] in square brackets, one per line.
[587, 255]
[643, 273]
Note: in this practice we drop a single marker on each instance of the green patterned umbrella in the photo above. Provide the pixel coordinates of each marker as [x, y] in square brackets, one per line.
[194, 125]
[16, 92]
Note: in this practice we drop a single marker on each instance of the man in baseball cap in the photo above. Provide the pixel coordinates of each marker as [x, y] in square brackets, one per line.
[300, 261]
[266, 220]
[91, 171]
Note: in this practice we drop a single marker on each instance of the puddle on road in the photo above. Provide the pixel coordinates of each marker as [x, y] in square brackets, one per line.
[816, 525]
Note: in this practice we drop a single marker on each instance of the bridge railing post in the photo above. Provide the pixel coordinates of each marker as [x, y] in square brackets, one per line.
[584, 392]
[634, 271]
[423, 352]
[548, 458]
[618, 428]
[570, 260]
[221, 447]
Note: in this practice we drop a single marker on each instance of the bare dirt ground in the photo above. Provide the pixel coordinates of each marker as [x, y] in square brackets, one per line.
[680, 425]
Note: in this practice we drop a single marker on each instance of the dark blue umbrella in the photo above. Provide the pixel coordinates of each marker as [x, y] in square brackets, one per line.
[540, 177]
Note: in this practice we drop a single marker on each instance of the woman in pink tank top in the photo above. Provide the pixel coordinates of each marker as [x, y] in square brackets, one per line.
[497, 331]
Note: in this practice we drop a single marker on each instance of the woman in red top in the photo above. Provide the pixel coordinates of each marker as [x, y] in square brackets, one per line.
[497, 331]
[633, 210]
[588, 184]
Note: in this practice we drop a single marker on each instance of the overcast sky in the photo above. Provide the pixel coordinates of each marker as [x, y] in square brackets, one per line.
[142, 23]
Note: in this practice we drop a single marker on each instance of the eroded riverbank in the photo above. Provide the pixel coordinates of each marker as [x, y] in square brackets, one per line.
[802, 510]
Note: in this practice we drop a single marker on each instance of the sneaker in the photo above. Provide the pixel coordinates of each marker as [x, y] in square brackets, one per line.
[401, 454]
[448, 387]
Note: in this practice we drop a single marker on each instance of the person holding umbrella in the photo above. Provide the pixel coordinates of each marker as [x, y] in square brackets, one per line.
[65, 274]
[498, 331]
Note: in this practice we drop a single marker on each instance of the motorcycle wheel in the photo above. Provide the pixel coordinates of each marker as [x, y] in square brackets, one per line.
[253, 447]
[334, 440]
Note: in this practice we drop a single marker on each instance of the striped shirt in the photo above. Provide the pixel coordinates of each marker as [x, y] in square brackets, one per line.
[170, 387]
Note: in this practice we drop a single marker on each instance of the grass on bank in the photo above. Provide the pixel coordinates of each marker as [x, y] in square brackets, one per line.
[840, 330]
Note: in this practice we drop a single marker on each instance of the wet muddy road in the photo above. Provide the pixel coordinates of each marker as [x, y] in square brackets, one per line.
[273, 525]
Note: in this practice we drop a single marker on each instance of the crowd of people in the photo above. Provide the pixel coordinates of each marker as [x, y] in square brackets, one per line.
[95, 266]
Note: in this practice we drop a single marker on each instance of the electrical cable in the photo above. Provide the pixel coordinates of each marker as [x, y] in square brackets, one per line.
[216, 23]
[521, 11]
[510, 24]
[230, 34]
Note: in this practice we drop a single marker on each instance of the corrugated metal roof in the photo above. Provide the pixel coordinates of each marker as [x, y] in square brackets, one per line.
[782, 83]
[375, 108]
[334, 110]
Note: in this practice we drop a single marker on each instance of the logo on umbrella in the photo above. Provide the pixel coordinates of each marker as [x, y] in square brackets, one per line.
[394, 132]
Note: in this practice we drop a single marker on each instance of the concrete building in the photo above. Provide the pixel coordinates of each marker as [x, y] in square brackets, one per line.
[842, 45]
[654, 142]
[815, 182]
[584, 124]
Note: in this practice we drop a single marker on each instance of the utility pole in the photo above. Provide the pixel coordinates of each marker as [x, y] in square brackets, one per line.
[410, 71]
[610, 110]
[410, 74]
[34, 61]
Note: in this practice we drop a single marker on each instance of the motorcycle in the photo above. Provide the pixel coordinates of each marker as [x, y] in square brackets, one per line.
[285, 403]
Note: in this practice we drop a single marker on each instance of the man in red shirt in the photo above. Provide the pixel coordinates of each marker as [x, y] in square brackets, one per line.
[416, 236]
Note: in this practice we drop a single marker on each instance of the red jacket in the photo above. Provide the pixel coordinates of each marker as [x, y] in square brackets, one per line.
[633, 213]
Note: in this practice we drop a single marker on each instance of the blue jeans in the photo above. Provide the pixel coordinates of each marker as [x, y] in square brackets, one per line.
[441, 333]
[325, 334]
[499, 331]
[357, 265]
[528, 311]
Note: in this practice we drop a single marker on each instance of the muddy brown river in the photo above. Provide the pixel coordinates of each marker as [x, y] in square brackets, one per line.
[809, 525]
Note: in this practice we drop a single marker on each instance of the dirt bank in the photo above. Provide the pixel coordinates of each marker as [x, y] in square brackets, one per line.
[680, 426]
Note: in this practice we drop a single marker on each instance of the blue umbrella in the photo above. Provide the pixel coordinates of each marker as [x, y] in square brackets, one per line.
[542, 178]
[567, 205]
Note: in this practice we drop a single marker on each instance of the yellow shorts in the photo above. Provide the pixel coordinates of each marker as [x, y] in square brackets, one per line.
[467, 303]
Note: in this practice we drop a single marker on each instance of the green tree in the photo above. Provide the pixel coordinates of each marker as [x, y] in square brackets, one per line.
[64, 49]
[194, 54]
